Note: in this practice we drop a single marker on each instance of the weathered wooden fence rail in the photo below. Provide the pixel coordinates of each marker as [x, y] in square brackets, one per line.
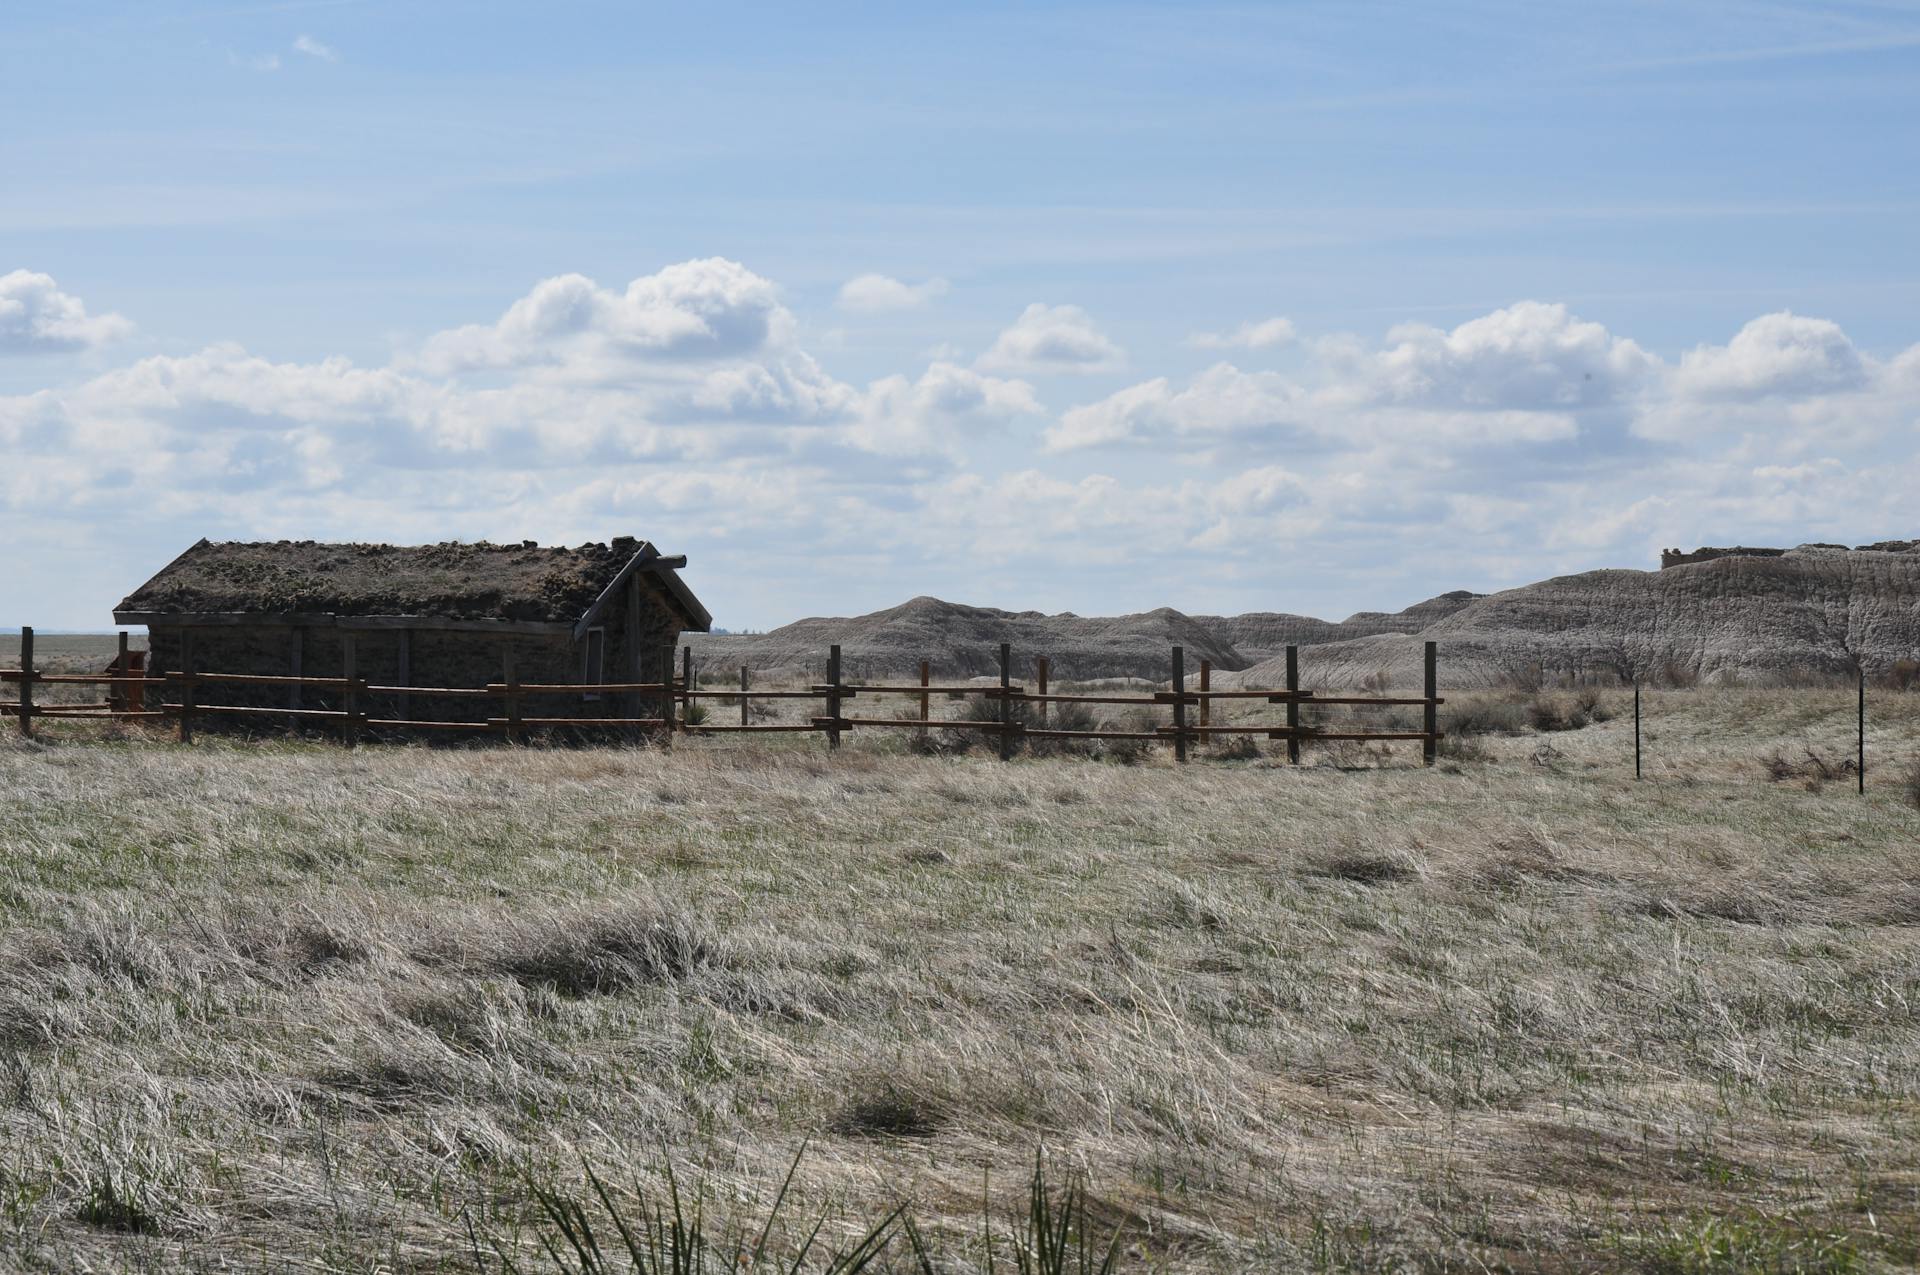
[675, 699]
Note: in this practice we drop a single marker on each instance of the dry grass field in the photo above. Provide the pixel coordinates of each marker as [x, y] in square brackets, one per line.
[66, 652]
[282, 1006]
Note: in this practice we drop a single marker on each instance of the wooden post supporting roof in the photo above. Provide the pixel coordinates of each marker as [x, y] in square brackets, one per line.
[638, 699]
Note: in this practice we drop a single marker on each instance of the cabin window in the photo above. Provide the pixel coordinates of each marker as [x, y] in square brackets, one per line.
[594, 660]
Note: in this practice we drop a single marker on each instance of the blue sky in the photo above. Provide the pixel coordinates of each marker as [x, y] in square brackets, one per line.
[1304, 307]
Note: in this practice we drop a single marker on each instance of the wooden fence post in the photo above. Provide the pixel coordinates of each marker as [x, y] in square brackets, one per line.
[26, 681]
[1861, 762]
[117, 692]
[512, 679]
[1636, 729]
[294, 657]
[1041, 670]
[1206, 684]
[1006, 701]
[1293, 706]
[926, 676]
[686, 686]
[666, 695]
[743, 695]
[833, 696]
[1430, 746]
[351, 699]
[186, 686]
[403, 701]
[1179, 704]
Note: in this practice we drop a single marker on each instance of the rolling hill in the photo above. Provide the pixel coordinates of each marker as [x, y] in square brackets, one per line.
[1811, 613]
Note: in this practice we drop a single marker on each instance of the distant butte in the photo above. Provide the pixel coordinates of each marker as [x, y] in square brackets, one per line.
[1734, 615]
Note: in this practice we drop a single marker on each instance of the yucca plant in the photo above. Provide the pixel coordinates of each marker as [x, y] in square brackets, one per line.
[1056, 1235]
[1053, 1235]
[669, 1238]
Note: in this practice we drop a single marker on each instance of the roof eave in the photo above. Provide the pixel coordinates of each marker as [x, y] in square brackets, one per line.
[662, 568]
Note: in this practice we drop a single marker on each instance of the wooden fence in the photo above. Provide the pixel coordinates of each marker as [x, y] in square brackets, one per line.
[182, 697]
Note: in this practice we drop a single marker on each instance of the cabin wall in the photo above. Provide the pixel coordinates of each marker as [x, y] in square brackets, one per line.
[434, 658]
[652, 642]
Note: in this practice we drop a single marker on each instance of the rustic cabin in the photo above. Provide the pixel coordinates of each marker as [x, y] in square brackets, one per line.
[451, 616]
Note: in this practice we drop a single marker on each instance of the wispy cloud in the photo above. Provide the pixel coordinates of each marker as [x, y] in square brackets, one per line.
[1264, 335]
[314, 49]
[1880, 43]
[262, 62]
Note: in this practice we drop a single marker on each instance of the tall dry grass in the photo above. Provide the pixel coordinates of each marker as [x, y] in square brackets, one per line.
[283, 1006]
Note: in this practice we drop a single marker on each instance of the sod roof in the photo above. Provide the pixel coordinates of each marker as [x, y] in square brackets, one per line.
[478, 581]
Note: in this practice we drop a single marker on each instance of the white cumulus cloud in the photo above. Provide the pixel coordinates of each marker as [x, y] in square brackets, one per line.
[932, 412]
[878, 293]
[1220, 402]
[1775, 354]
[1527, 356]
[683, 406]
[1052, 339]
[36, 317]
[571, 326]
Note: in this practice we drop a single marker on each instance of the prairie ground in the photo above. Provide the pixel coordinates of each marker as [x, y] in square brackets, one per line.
[282, 1006]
